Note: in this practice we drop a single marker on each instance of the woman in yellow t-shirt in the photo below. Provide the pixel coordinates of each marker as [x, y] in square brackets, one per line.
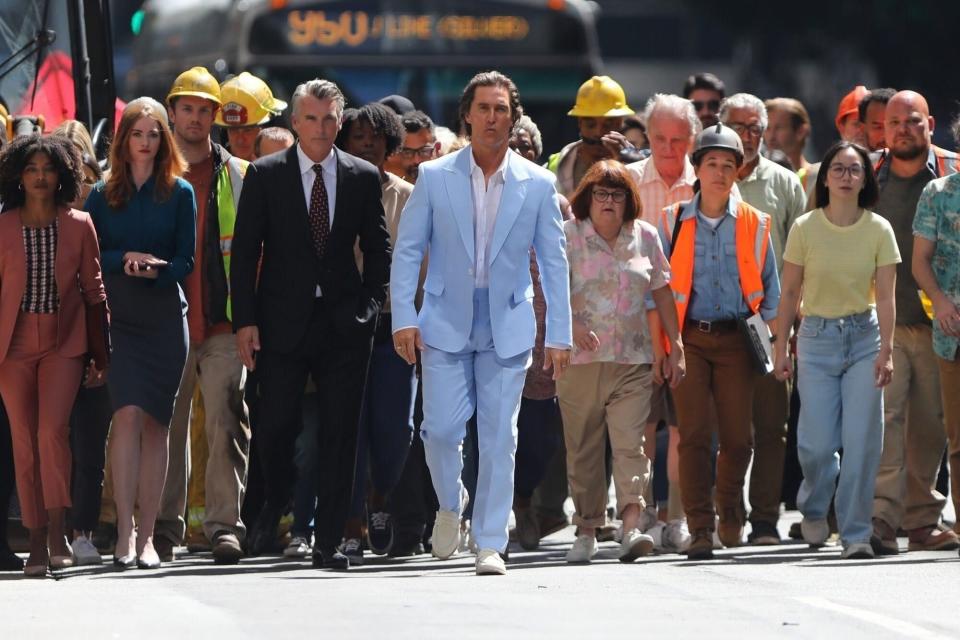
[839, 265]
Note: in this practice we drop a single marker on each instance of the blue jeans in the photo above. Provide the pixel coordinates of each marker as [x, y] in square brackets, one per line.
[386, 425]
[840, 408]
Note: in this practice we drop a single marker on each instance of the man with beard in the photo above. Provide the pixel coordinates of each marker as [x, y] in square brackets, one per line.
[913, 436]
[419, 145]
[873, 111]
[600, 109]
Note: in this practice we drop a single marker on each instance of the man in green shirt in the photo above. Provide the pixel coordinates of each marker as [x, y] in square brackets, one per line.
[775, 191]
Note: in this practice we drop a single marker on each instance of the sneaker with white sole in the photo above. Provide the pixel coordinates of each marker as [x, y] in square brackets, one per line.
[379, 532]
[84, 553]
[299, 547]
[816, 531]
[353, 549]
[490, 563]
[467, 541]
[857, 551]
[635, 545]
[648, 519]
[656, 532]
[676, 536]
[583, 549]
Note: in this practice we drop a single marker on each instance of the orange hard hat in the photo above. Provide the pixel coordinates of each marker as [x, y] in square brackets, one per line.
[850, 105]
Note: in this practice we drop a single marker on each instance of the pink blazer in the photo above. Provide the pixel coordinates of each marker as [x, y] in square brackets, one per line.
[79, 281]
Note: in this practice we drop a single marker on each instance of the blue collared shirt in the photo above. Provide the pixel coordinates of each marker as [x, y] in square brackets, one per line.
[716, 293]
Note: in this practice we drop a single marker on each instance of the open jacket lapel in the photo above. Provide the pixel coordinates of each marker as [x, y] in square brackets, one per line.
[459, 192]
[511, 201]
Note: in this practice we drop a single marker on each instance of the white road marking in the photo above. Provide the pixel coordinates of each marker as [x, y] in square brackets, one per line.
[900, 627]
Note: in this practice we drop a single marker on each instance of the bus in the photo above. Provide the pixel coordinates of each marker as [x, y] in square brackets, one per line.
[426, 50]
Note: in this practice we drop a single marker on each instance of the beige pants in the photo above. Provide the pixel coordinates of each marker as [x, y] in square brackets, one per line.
[913, 434]
[596, 399]
[950, 380]
[215, 365]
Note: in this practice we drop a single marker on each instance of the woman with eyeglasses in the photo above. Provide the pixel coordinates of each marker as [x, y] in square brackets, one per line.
[840, 268]
[617, 272]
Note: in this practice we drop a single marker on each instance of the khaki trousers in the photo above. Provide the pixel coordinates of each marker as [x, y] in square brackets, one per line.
[215, 365]
[950, 388]
[905, 493]
[771, 404]
[596, 399]
[718, 367]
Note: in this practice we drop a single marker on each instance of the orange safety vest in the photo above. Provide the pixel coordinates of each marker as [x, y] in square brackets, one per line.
[752, 235]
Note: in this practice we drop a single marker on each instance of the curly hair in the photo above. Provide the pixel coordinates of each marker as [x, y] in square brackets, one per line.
[15, 157]
[381, 118]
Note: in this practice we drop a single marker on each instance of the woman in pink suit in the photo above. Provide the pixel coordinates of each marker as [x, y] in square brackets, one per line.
[53, 320]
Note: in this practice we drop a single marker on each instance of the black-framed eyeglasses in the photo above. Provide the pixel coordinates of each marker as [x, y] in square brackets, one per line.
[712, 105]
[425, 152]
[837, 171]
[602, 195]
[739, 128]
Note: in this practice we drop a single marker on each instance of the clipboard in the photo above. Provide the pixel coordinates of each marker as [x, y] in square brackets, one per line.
[757, 334]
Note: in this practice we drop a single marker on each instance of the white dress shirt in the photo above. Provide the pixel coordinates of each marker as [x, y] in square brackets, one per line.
[308, 175]
[486, 203]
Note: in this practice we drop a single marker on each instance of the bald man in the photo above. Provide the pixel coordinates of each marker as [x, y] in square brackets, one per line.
[914, 438]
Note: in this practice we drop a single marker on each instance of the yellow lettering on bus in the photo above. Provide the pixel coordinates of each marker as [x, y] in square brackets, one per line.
[300, 34]
[358, 37]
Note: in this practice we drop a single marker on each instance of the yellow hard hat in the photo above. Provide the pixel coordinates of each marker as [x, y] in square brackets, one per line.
[600, 97]
[196, 82]
[247, 101]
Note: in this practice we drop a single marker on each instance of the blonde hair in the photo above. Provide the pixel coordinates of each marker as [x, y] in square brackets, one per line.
[168, 165]
[76, 132]
[798, 112]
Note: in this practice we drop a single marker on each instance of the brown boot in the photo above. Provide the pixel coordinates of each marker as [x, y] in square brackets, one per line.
[701, 545]
[933, 538]
[731, 528]
[884, 539]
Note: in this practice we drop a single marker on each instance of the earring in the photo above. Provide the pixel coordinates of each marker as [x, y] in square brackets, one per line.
[60, 187]
[20, 186]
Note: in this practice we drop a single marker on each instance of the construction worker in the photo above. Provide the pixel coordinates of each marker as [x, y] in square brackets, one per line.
[213, 360]
[737, 278]
[848, 122]
[600, 109]
[248, 104]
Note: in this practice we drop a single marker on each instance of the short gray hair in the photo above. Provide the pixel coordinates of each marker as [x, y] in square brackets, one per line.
[675, 106]
[528, 125]
[321, 90]
[746, 101]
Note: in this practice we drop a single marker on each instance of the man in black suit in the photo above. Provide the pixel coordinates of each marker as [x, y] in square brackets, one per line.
[309, 310]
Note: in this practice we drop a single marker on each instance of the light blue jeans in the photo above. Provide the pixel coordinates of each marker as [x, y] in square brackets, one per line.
[840, 408]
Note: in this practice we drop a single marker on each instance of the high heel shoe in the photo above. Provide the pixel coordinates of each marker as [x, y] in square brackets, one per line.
[125, 562]
[61, 562]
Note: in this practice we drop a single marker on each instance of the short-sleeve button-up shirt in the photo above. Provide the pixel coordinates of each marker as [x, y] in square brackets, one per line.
[608, 285]
[938, 220]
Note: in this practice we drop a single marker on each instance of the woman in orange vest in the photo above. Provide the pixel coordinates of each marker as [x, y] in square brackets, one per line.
[723, 272]
[840, 264]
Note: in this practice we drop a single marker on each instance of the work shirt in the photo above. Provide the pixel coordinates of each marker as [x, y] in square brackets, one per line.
[716, 293]
[778, 193]
[938, 220]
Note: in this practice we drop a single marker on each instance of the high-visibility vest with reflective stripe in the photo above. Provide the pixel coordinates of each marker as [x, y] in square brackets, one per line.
[752, 235]
[947, 161]
[229, 184]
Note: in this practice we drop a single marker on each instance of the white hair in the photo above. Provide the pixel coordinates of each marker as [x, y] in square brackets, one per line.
[674, 106]
[746, 101]
[321, 90]
[528, 125]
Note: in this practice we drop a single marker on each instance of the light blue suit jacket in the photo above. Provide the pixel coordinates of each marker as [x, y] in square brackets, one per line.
[438, 219]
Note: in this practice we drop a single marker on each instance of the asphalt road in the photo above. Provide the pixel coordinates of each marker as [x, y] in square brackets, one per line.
[776, 592]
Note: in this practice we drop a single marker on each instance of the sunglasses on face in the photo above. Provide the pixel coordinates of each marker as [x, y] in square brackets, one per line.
[710, 105]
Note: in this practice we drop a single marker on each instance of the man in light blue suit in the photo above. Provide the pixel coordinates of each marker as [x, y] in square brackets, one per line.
[477, 212]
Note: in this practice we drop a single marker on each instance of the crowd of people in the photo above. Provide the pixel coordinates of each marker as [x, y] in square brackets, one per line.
[376, 335]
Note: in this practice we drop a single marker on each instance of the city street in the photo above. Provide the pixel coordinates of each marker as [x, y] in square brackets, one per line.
[783, 592]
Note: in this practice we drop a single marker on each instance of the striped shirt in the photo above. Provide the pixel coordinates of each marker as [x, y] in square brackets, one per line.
[40, 248]
[655, 193]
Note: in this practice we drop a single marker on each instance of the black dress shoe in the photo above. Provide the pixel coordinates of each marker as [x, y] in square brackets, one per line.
[331, 559]
[264, 533]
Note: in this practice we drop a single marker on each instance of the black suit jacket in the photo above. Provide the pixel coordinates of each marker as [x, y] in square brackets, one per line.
[272, 223]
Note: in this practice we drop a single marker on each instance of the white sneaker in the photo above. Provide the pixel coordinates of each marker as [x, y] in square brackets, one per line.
[648, 519]
[815, 532]
[84, 552]
[467, 541]
[857, 551]
[656, 532]
[676, 536]
[299, 547]
[583, 549]
[634, 545]
[446, 534]
[489, 563]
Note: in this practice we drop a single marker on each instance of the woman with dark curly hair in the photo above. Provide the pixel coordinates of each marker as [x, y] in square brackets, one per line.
[145, 215]
[52, 312]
